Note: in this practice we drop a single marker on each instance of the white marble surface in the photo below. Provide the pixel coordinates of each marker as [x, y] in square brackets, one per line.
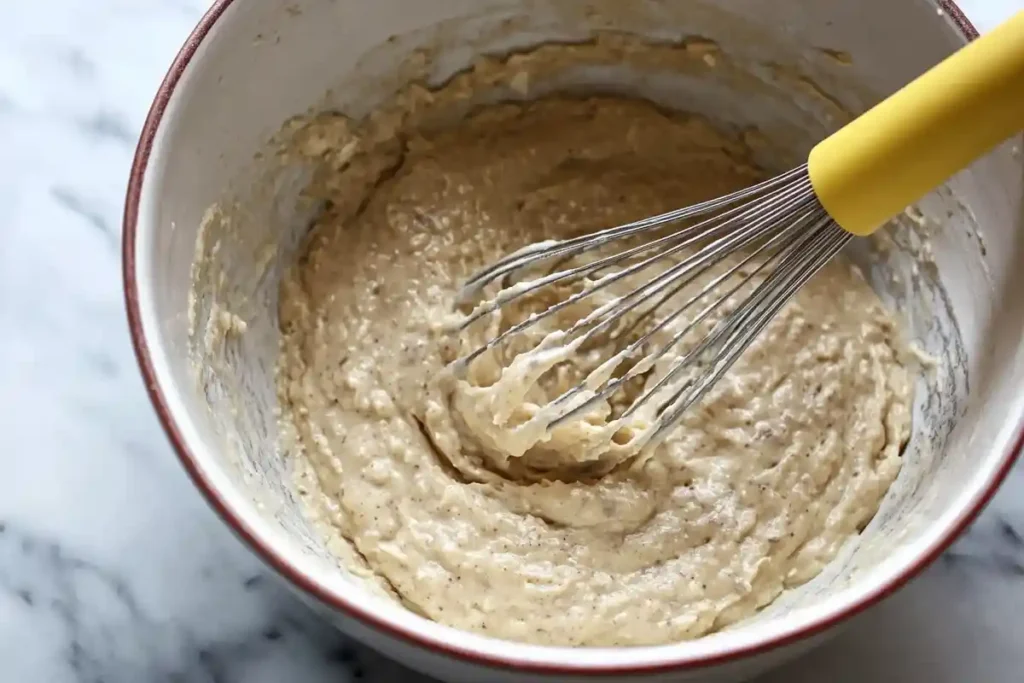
[112, 569]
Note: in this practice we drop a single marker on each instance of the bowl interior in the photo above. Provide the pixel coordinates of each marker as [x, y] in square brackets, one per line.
[793, 70]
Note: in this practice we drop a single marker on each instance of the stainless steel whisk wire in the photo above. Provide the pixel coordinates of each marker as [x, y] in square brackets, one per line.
[779, 219]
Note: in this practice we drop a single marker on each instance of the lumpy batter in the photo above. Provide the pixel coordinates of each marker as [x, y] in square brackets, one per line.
[762, 482]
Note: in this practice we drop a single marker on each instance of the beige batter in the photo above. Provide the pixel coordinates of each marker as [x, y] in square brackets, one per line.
[542, 539]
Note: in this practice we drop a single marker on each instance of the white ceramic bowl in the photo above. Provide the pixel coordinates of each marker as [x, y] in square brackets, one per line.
[250, 65]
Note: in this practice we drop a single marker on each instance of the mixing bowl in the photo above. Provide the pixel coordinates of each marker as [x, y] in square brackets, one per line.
[786, 72]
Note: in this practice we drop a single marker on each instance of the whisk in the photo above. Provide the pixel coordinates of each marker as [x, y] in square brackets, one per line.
[781, 231]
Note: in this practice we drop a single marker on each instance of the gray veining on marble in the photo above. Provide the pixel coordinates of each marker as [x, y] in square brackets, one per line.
[112, 568]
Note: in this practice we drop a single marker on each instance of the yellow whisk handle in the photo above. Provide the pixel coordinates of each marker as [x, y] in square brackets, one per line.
[890, 157]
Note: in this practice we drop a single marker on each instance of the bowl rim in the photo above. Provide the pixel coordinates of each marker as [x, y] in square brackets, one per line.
[338, 601]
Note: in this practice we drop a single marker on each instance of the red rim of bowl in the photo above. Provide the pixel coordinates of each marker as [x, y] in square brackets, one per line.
[339, 602]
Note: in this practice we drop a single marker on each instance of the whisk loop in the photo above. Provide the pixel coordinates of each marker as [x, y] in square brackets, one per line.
[779, 229]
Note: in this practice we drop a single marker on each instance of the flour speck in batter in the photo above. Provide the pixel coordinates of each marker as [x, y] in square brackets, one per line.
[548, 537]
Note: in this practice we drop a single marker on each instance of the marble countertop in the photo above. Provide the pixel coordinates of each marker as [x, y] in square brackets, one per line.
[112, 568]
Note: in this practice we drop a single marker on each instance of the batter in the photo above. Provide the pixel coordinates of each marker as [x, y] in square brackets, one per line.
[544, 540]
